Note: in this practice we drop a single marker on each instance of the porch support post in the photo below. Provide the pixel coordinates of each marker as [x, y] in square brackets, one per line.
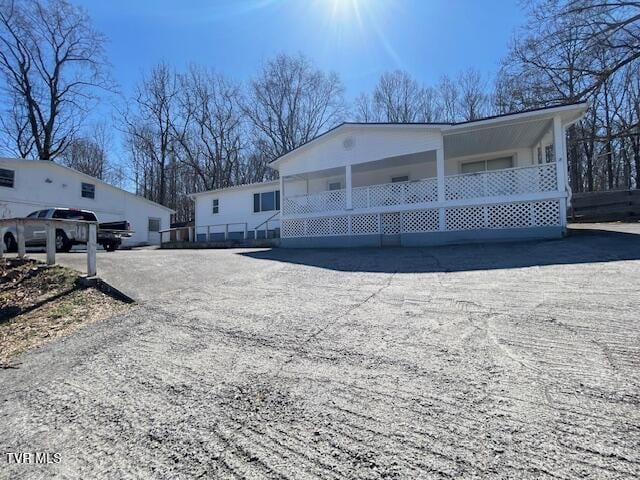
[559, 153]
[441, 187]
[281, 195]
[559, 150]
[22, 249]
[348, 186]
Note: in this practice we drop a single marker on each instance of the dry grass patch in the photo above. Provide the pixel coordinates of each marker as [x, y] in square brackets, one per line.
[40, 303]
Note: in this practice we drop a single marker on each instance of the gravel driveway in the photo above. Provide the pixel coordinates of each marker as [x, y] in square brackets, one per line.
[491, 361]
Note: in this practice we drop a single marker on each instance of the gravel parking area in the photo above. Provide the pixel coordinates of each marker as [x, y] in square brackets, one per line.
[490, 361]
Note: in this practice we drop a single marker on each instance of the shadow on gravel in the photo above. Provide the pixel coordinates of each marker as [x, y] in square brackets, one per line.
[581, 246]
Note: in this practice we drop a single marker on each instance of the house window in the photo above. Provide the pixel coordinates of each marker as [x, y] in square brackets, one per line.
[216, 206]
[486, 165]
[6, 177]
[88, 190]
[154, 224]
[266, 201]
[403, 178]
[335, 185]
[548, 154]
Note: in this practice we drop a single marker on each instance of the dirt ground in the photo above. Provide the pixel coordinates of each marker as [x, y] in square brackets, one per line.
[493, 361]
[40, 303]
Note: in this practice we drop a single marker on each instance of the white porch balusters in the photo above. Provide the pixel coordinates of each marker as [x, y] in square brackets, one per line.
[349, 202]
[441, 187]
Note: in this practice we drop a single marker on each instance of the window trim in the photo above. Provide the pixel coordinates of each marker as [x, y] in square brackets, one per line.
[277, 200]
[13, 178]
[408, 178]
[159, 220]
[82, 190]
[485, 159]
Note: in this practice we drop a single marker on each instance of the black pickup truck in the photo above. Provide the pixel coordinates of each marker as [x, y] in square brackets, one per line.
[110, 234]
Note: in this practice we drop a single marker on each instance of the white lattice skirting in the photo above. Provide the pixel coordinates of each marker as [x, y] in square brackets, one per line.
[497, 216]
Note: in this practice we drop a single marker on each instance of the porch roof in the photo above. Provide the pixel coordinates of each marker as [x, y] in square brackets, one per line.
[487, 134]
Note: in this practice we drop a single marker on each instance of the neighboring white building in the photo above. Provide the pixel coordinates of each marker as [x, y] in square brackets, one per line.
[29, 185]
[374, 184]
[235, 208]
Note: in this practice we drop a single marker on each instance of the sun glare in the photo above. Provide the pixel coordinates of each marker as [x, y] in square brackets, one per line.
[341, 9]
[356, 21]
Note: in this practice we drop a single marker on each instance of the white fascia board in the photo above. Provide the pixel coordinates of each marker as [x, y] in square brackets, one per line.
[354, 126]
[523, 117]
[193, 196]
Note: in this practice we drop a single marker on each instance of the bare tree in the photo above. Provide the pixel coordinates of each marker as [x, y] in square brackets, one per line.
[88, 153]
[52, 64]
[448, 95]
[364, 110]
[398, 97]
[149, 126]
[290, 102]
[473, 100]
[429, 109]
[210, 127]
[577, 50]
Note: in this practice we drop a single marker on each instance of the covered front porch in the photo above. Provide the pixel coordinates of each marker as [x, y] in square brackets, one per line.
[506, 163]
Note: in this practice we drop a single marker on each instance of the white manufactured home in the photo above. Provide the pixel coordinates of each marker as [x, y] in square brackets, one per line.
[374, 184]
[29, 185]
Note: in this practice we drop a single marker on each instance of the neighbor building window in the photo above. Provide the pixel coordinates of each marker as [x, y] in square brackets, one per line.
[403, 178]
[7, 177]
[216, 206]
[154, 224]
[335, 186]
[88, 190]
[266, 201]
[486, 165]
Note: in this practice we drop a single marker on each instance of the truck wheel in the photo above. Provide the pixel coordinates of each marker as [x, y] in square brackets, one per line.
[62, 242]
[10, 243]
[110, 247]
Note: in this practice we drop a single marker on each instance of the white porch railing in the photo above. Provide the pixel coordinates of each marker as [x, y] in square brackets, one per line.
[500, 183]
[388, 194]
[497, 183]
[84, 229]
[328, 201]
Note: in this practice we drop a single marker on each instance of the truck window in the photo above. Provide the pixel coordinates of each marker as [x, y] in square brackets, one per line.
[74, 215]
[33, 214]
[43, 213]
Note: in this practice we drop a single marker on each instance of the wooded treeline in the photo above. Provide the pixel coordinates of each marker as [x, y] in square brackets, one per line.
[195, 129]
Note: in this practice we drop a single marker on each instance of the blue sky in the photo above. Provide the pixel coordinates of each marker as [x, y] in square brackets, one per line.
[358, 39]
